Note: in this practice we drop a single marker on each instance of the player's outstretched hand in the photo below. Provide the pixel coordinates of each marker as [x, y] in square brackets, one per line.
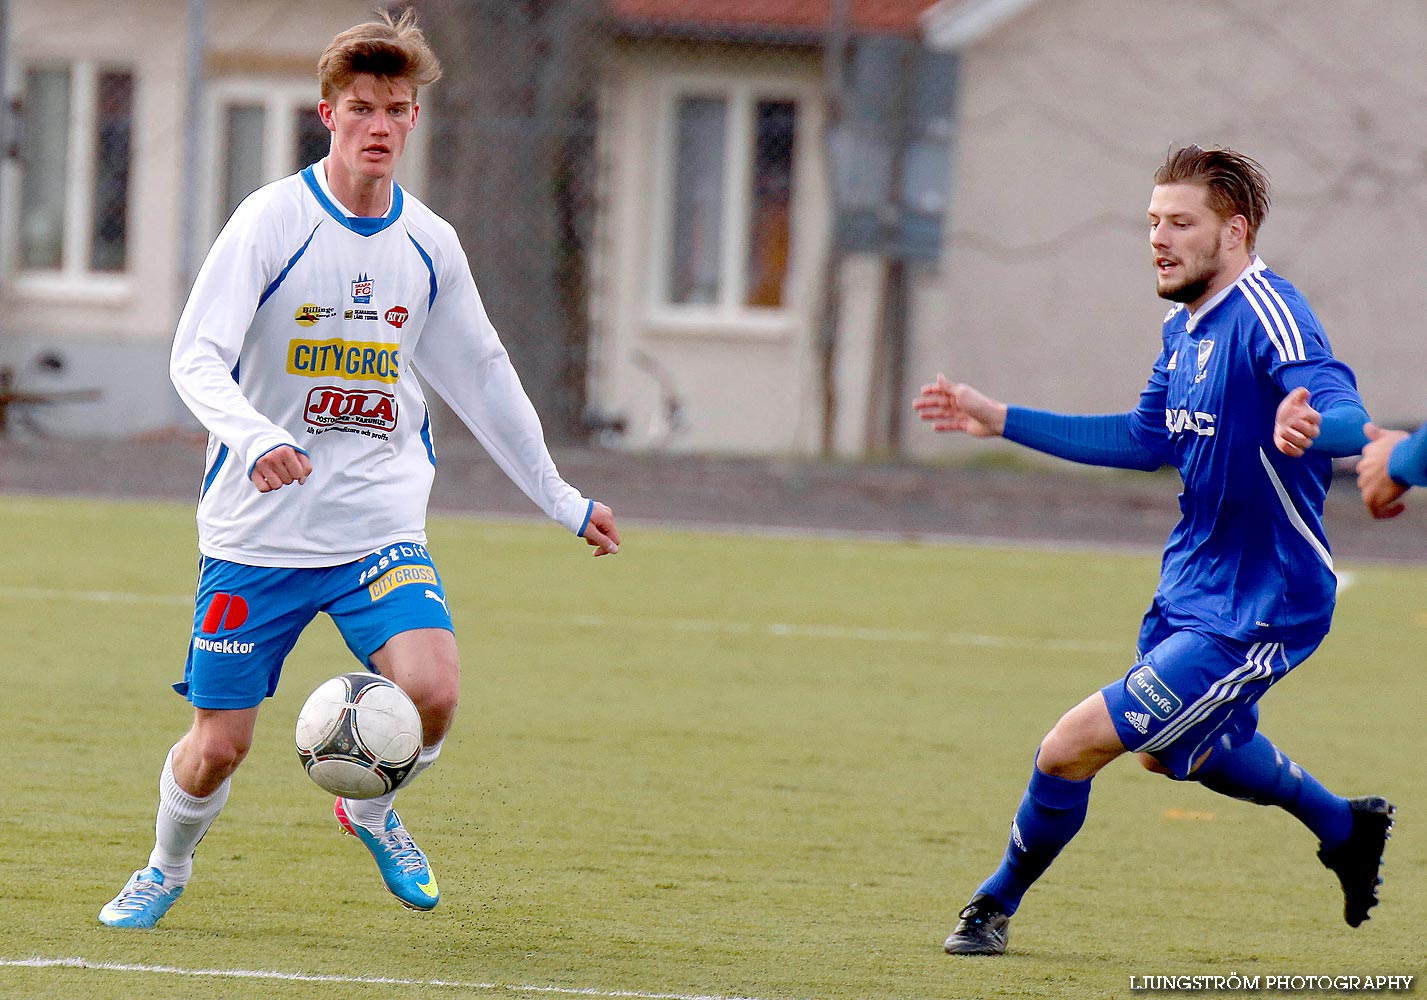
[601, 531]
[1296, 424]
[959, 407]
[281, 467]
[1382, 495]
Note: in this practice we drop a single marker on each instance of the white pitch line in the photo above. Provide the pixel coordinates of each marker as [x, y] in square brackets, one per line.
[308, 977]
[843, 632]
[92, 596]
[782, 630]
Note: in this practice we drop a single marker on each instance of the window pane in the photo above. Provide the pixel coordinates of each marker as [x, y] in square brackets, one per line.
[698, 200]
[243, 129]
[44, 153]
[313, 139]
[770, 223]
[114, 120]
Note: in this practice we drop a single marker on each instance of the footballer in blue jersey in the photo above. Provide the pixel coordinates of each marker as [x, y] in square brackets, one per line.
[1393, 462]
[1248, 403]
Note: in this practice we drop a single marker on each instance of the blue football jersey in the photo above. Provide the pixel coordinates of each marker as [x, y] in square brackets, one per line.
[1248, 557]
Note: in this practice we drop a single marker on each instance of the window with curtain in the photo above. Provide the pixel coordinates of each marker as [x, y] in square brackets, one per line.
[729, 204]
[264, 130]
[76, 157]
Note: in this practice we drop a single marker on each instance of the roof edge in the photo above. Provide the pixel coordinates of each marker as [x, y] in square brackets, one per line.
[695, 31]
[955, 24]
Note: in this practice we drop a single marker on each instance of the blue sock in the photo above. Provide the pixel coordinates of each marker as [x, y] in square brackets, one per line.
[1051, 813]
[1260, 773]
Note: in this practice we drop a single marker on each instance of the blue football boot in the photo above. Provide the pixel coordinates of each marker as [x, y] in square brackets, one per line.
[402, 864]
[142, 902]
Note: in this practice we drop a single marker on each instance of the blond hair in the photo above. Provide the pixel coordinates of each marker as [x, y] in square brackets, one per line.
[392, 50]
[1236, 184]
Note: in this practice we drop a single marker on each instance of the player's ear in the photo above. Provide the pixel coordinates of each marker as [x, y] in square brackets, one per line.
[324, 111]
[1238, 228]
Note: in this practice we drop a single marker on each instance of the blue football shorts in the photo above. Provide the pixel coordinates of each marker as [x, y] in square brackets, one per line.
[1192, 689]
[247, 618]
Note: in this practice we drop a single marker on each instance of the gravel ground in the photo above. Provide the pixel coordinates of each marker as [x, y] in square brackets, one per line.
[1058, 503]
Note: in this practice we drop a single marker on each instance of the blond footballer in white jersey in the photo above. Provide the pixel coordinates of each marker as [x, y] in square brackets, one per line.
[324, 366]
[319, 299]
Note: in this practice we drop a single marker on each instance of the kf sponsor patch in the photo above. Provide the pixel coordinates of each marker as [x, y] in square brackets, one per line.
[1153, 693]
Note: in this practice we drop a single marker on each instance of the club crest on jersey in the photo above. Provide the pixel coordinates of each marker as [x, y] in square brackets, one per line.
[362, 289]
[1206, 348]
[310, 312]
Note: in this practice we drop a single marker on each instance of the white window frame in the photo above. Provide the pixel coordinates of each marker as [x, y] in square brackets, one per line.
[729, 313]
[280, 100]
[73, 280]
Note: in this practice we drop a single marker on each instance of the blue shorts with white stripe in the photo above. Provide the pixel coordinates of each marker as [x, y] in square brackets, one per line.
[1192, 689]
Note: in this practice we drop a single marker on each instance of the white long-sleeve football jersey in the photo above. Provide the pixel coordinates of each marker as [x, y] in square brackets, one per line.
[303, 328]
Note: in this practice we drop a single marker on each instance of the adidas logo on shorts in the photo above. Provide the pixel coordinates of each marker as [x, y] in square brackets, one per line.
[1140, 720]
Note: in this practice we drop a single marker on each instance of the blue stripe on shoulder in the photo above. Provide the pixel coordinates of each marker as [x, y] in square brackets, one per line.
[362, 226]
[430, 270]
[283, 274]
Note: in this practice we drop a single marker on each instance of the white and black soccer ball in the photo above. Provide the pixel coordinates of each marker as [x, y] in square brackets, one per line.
[358, 736]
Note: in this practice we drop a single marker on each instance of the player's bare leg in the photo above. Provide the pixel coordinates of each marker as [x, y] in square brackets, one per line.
[425, 664]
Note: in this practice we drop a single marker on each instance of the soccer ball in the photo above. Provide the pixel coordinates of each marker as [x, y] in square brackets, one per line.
[358, 736]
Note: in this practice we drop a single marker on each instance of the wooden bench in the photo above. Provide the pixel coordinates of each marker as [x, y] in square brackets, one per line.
[11, 396]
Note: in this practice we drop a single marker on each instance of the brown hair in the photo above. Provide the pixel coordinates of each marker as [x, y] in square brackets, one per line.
[1236, 184]
[394, 50]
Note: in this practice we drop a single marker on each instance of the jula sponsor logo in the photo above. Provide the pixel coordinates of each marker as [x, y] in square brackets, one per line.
[334, 406]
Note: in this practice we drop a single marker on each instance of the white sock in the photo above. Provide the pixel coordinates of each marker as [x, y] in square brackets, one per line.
[371, 813]
[182, 821]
